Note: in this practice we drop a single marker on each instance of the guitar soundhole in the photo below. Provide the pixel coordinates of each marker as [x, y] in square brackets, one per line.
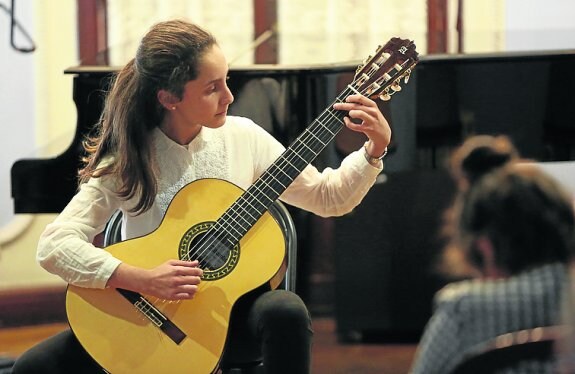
[217, 258]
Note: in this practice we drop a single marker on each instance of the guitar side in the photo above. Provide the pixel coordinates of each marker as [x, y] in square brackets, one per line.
[123, 339]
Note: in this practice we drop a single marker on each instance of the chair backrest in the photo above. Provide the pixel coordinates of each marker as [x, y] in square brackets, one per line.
[113, 234]
[279, 211]
[113, 229]
[509, 350]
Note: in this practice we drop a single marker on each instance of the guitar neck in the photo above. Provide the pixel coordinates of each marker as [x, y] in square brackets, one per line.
[378, 77]
[303, 151]
[257, 199]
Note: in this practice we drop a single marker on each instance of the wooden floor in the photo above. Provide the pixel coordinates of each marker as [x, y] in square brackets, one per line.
[332, 357]
[329, 356]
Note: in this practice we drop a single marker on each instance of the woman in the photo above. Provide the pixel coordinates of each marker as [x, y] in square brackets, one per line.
[515, 227]
[164, 125]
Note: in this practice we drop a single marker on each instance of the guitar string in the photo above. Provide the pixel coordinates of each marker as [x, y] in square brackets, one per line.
[284, 157]
[278, 168]
[278, 181]
[228, 220]
[329, 112]
[221, 236]
[318, 135]
[397, 75]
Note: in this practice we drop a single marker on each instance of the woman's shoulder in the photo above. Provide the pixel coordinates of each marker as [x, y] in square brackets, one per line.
[469, 291]
[456, 291]
[107, 181]
[243, 127]
[239, 123]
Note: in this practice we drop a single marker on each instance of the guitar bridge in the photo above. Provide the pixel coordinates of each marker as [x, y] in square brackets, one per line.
[154, 315]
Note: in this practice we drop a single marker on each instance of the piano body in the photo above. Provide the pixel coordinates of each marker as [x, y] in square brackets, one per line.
[526, 96]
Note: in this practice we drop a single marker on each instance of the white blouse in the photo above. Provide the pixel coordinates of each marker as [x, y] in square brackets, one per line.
[238, 152]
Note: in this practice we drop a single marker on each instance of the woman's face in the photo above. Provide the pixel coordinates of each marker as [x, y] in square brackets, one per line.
[205, 100]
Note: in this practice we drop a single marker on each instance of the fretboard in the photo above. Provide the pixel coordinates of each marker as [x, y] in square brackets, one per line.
[257, 199]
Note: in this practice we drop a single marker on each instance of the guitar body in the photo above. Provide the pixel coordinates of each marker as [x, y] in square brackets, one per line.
[123, 339]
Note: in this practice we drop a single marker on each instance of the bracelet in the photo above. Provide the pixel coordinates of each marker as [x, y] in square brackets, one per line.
[373, 161]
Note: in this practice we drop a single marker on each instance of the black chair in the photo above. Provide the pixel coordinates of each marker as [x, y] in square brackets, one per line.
[510, 350]
[112, 234]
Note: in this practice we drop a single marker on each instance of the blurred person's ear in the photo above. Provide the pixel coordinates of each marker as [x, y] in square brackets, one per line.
[485, 250]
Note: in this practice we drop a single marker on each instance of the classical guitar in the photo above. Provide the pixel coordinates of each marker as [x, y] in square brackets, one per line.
[238, 243]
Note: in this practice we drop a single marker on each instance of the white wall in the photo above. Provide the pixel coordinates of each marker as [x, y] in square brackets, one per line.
[540, 25]
[484, 26]
[37, 119]
[17, 100]
[326, 31]
[231, 22]
[309, 32]
[517, 25]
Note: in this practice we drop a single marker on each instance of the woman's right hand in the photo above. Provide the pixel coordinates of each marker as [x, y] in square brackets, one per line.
[175, 280]
[172, 280]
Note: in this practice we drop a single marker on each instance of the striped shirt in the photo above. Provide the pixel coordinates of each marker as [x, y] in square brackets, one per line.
[470, 312]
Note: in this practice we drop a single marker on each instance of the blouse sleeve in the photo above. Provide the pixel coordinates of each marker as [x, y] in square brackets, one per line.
[65, 247]
[330, 192]
[333, 192]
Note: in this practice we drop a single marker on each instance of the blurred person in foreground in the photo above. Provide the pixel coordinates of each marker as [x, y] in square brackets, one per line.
[514, 227]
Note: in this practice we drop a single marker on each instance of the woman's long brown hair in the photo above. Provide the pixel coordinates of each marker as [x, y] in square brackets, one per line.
[167, 58]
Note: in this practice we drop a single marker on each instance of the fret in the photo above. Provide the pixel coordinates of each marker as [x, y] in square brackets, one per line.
[283, 187]
[227, 230]
[310, 149]
[333, 116]
[259, 197]
[296, 154]
[286, 168]
[289, 161]
[241, 217]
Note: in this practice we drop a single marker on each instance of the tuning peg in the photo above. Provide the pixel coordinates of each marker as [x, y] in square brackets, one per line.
[396, 87]
[383, 58]
[385, 96]
[407, 75]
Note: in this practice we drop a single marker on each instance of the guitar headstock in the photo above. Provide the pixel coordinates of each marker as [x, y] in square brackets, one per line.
[380, 75]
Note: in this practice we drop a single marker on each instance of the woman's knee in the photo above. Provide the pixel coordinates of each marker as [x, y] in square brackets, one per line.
[35, 360]
[61, 353]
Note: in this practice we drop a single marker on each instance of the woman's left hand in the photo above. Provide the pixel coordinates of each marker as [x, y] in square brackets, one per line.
[364, 116]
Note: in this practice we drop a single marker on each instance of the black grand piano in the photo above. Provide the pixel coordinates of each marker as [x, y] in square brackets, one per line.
[526, 96]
